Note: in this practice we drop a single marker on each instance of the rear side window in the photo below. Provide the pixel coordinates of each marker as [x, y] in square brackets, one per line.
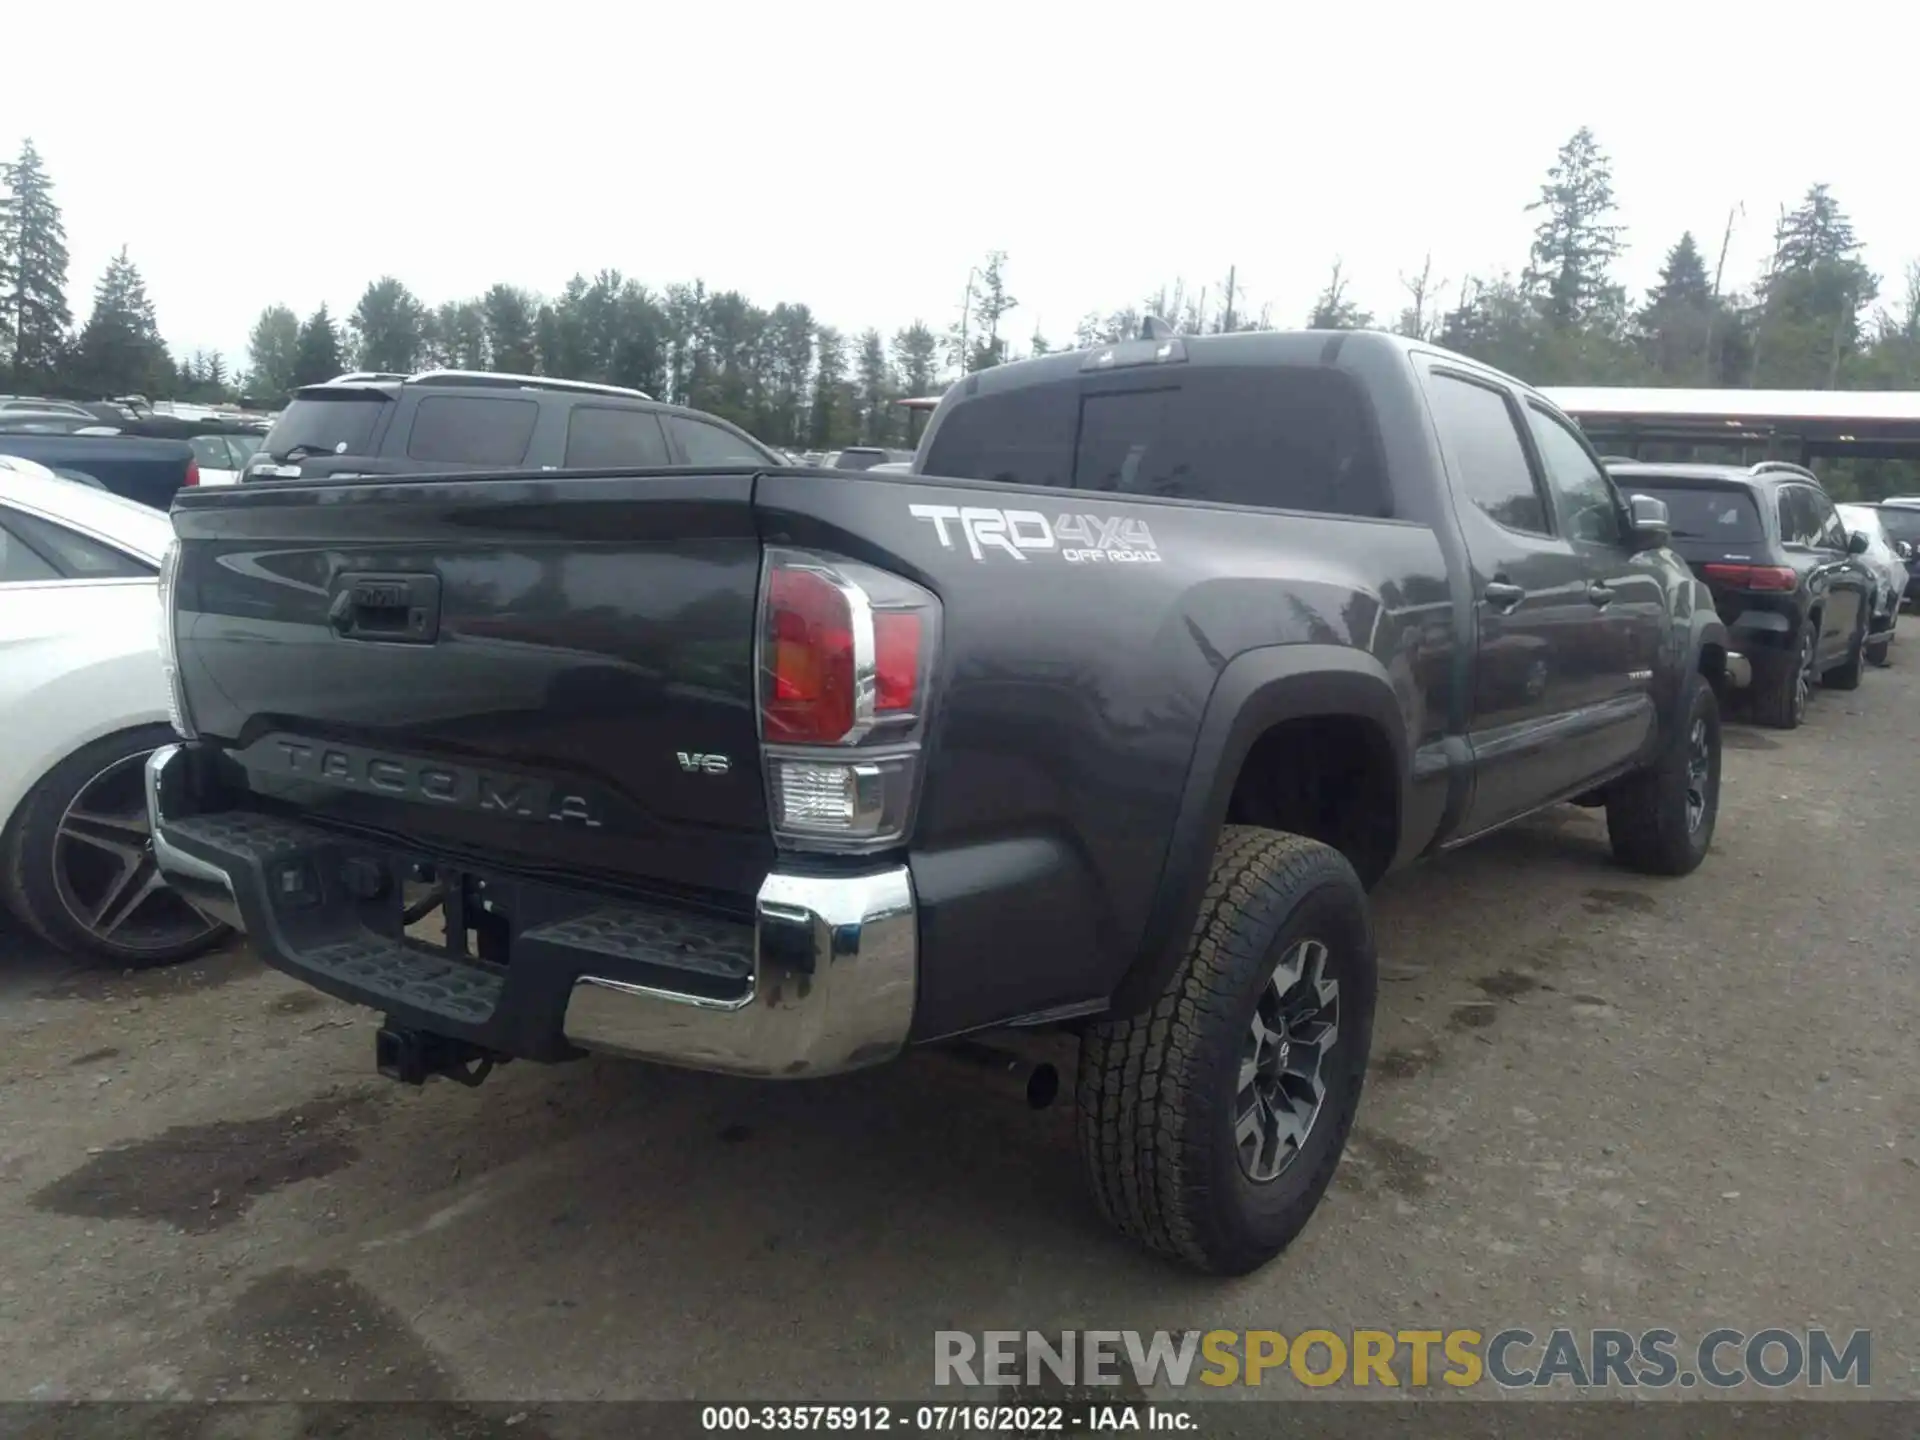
[340, 424]
[479, 430]
[1490, 468]
[20, 563]
[1281, 437]
[604, 436]
[1717, 513]
[1798, 523]
[706, 444]
[1901, 523]
[76, 556]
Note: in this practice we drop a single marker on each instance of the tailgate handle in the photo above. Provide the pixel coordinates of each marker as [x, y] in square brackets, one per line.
[399, 609]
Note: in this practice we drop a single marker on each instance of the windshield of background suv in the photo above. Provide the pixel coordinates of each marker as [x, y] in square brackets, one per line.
[340, 423]
[1703, 512]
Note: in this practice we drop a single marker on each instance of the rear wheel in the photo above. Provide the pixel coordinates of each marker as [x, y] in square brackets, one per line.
[1212, 1123]
[1661, 819]
[1782, 693]
[79, 866]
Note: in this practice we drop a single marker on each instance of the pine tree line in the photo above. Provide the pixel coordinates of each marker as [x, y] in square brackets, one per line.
[1814, 318]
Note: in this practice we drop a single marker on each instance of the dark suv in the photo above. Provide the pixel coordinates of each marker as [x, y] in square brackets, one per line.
[369, 424]
[1785, 574]
[1901, 520]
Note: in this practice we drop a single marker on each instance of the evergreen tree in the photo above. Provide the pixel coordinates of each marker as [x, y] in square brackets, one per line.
[273, 348]
[1674, 327]
[829, 385]
[508, 313]
[1811, 297]
[318, 357]
[876, 390]
[120, 352]
[1576, 243]
[916, 354]
[34, 318]
[389, 328]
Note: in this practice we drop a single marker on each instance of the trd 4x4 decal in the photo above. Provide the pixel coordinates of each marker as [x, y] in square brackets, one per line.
[1077, 539]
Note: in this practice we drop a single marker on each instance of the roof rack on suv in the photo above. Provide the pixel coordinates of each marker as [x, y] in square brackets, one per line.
[1768, 467]
[366, 377]
[521, 382]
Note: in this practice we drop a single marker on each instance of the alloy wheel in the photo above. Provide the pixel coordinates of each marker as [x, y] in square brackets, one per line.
[105, 873]
[1282, 1082]
[1699, 774]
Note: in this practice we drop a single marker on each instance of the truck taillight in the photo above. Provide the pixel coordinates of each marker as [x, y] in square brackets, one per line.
[846, 667]
[193, 471]
[169, 649]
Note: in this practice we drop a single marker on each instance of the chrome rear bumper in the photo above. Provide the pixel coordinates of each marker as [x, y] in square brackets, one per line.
[823, 981]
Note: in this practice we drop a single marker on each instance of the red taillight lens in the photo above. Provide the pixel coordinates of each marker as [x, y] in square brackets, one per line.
[193, 471]
[1778, 578]
[896, 660]
[810, 659]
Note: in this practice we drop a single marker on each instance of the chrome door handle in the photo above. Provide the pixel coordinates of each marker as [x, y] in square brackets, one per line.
[1502, 596]
[1599, 594]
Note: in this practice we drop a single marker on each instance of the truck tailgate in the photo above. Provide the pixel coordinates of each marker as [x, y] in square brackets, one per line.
[552, 673]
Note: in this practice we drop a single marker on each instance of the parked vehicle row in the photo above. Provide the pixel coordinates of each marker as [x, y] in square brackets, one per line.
[688, 754]
[776, 771]
[1809, 591]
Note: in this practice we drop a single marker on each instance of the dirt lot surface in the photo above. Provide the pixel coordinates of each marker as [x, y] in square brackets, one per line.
[1597, 1100]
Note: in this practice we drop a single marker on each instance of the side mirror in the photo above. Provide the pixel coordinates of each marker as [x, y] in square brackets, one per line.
[1857, 542]
[1651, 528]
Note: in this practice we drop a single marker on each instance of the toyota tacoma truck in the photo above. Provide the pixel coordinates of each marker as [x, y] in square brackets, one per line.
[1104, 717]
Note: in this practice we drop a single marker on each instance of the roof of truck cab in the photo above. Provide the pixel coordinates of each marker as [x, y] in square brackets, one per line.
[1244, 347]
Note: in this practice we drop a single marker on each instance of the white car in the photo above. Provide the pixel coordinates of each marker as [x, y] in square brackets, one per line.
[1889, 578]
[83, 702]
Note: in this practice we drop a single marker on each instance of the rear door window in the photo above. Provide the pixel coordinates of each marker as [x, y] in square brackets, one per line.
[1901, 523]
[606, 436]
[342, 423]
[484, 431]
[1279, 437]
[706, 444]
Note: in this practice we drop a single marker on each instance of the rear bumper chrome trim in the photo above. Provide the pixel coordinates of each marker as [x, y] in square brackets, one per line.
[835, 960]
[205, 885]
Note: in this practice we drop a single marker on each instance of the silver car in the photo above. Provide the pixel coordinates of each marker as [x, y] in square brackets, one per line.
[1889, 578]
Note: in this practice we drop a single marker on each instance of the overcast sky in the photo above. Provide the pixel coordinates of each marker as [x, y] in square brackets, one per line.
[860, 157]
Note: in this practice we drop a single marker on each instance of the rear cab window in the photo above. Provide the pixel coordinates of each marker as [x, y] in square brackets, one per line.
[1286, 437]
[327, 422]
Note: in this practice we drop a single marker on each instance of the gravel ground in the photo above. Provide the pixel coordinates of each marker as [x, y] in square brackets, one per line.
[1597, 1100]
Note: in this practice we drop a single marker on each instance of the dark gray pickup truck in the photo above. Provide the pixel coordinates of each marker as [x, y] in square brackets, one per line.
[1103, 718]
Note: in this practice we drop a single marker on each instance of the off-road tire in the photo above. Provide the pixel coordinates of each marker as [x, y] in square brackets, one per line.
[1846, 675]
[1776, 699]
[1156, 1092]
[1647, 811]
[27, 883]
